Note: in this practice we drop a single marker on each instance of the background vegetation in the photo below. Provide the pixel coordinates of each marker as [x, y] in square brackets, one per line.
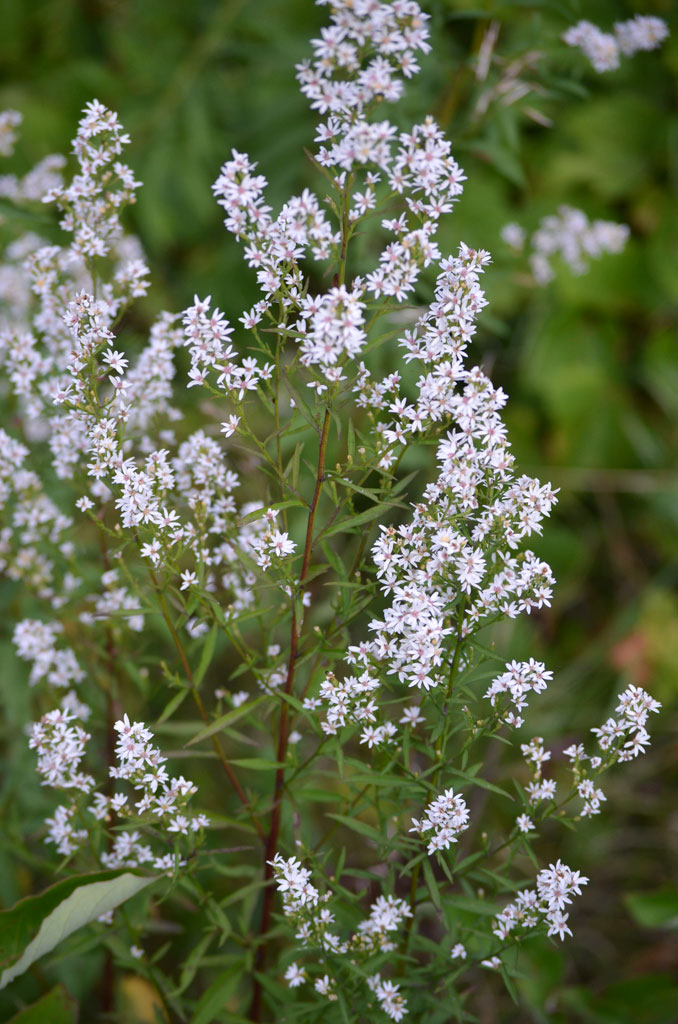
[589, 363]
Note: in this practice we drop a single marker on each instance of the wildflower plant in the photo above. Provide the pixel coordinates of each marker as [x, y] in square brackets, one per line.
[347, 868]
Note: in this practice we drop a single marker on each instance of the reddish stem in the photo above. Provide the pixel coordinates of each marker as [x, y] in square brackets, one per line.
[274, 831]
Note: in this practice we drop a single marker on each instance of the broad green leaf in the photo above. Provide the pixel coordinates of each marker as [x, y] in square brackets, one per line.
[57, 1007]
[655, 909]
[39, 923]
[224, 721]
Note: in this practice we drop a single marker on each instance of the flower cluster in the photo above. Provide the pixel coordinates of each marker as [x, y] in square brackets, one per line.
[304, 905]
[627, 733]
[272, 543]
[33, 545]
[60, 742]
[91, 203]
[36, 183]
[437, 576]
[60, 746]
[294, 883]
[603, 49]
[359, 58]
[206, 335]
[348, 699]
[36, 642]
[162, 495]
[9, 120]
[620, 739]
[388, 994]
[164, 798]
[386, 917]
[570, 236]
[331, 326]
[555, 887]
[518, 680]
[446, 817]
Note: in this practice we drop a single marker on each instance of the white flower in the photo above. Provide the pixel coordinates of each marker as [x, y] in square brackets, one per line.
[281, 544]
[412, 715]
[295, 975]
[230, 426]
[324, 987]
[188, 579]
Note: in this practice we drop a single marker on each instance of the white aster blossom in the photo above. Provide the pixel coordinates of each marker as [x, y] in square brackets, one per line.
[643, 32]
[388, 994]
[570, 236]
[556, 885]
[446, 817]
[603, 49]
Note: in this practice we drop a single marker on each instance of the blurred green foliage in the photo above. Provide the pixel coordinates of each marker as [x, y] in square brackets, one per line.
[589, 363]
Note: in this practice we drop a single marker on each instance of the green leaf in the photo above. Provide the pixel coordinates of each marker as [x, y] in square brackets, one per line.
[224, 721]
[431, 883]
[292, 467]
[302, 406]
[350, 439]
[473, 905]
[352, 522]
[337, 564]
[256, 764]
[172, 706]
[373, 494]
[206, 655]
[359, 826]
[479, 781]
[212, 1001]
[293, 701]
[39, 923]
[510, 986]
[656, 909]
[193, 962]
[259, 513]
[57, 1007]
[402, 484]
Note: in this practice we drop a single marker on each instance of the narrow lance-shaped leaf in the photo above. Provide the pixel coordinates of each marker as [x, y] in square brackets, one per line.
[224, 721]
